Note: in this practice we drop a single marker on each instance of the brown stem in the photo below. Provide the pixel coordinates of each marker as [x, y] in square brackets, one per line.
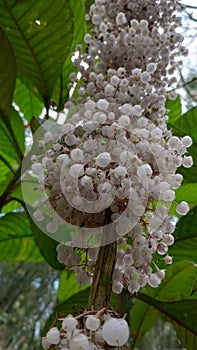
[101, 288]
[102, 281]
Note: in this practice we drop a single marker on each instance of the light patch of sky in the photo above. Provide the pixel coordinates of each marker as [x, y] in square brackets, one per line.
[189, 32]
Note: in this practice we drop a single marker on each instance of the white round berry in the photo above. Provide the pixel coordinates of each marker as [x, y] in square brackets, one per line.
[76, 170]
[182, 208]
[79, 342]
[103, 159]
[121, 19]
[76, 154]
[151, 67]
[187, 141]
[92, 323]
[115, 331]
[53, 335]
[187, 162]
[69, 323]
[37, 168]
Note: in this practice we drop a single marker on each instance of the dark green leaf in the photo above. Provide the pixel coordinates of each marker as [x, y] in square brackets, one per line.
[47, 246]
[182, 312]
[16, 240]
[194, 288]
[7, 74]
[187, 125]
[142, 318]
[187, 338]
[41, 34]
[68, 285]
[171, 289]
[12, 137]
[60, 95]
[26, 99]
[185, 247]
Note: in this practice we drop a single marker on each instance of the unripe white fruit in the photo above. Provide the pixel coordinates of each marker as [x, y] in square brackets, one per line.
[53, 335]
[76, 154]
[115, 331]
[37, 168]
[182, 208]
[120, 19]
[92, 323]
[79, 342]
[76, 170]
[69, 323]
[187, 141]
[151, 67]
[187, 162]
[102, 104]
[103, 159]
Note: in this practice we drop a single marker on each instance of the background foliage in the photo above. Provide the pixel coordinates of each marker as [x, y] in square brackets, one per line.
[36, 42]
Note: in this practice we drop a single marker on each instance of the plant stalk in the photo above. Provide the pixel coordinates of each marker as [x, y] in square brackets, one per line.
[101, 288]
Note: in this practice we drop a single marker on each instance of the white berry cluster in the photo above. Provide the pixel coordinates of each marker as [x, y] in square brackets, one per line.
[114, 162]
[102, 330]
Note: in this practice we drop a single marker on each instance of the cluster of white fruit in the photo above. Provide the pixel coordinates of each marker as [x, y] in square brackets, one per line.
[115, 154]
[100, 331]
[113, 165]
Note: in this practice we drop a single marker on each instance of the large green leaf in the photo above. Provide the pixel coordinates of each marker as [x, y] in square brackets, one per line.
[29, 104]
[174, 110]
[7, 73]
[41, 34]
[16, 239]
[68, 285]
[60, 94]
[175, 287]
[182, 314]
[187, 192]
[187, 125]
[185, 247]
[47, 246]
[12, 137]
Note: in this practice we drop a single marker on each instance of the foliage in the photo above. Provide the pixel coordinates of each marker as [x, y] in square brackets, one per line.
[36, 40]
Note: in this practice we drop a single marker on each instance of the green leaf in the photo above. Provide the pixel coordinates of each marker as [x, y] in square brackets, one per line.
[12, 137]
[68, 285]
[187, 338]
[41, 34]
[47, 246]
[142, 318]
[187, 192]
[174, 107]
[16, 240]
[29, 104]
[7, 75]
[194, 288]
[182, 312]
[187, 124]
[182, 315]
[185, 247]
[60, 95]
[171, 289]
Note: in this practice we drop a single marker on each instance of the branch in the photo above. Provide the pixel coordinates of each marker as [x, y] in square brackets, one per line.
[101, 288]
[189, 6]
